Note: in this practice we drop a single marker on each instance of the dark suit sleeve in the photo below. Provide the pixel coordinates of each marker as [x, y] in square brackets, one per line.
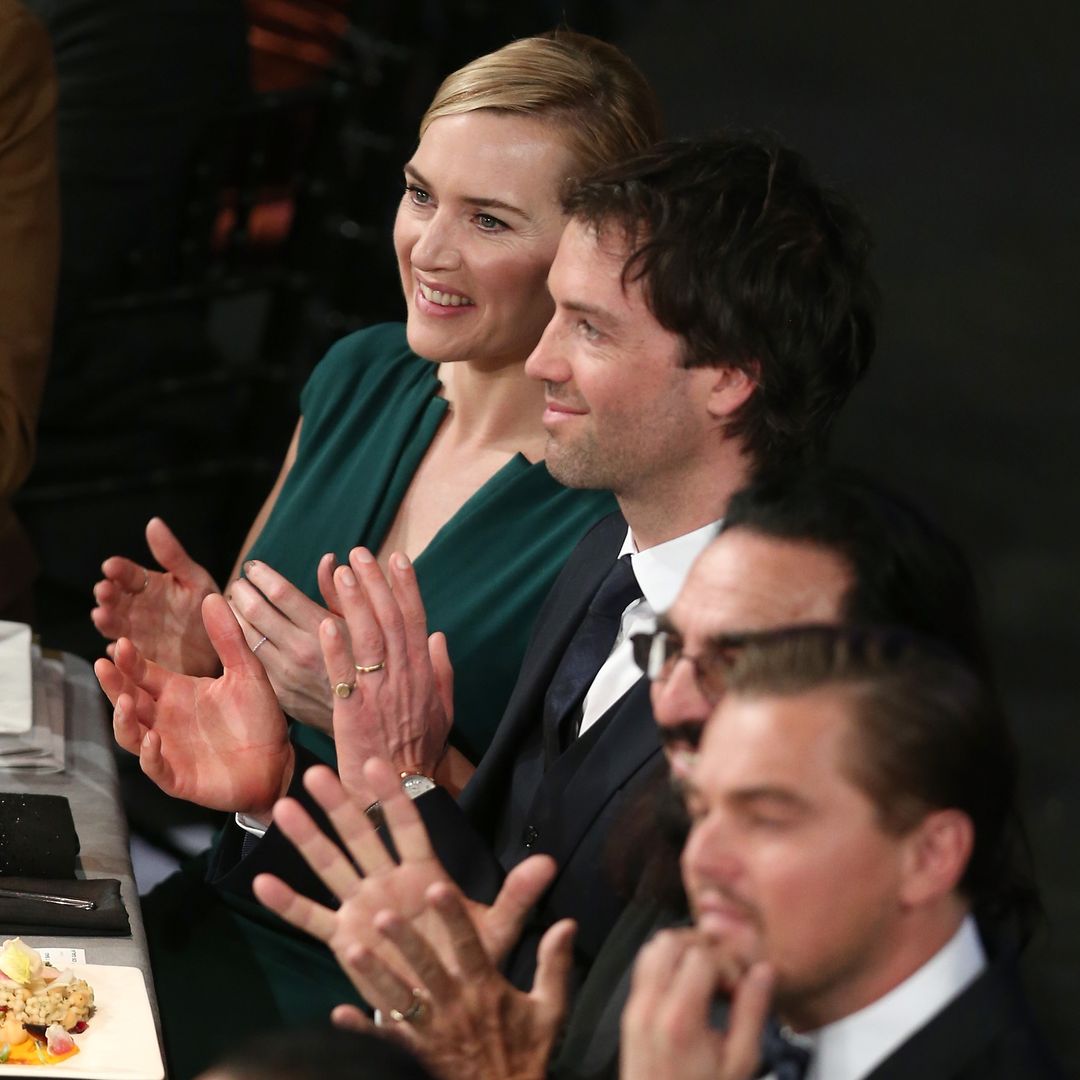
[232, 871]
[461, 849]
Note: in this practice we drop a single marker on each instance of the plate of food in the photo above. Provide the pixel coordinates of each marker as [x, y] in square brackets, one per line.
[88, 1020]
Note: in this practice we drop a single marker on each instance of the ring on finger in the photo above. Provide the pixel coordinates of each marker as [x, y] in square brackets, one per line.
[145, 582]
[258, 644]
[367, 669]
[414, 1012]
[344, 689]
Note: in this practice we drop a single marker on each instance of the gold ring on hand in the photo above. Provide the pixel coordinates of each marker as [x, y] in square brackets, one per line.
[367, 669]
[344, 689]
[414, 1012]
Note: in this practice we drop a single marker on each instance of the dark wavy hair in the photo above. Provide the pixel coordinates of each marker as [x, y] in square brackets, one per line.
[753, 263]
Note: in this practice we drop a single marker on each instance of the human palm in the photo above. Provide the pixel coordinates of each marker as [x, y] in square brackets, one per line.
[159, 611]
[220, 742]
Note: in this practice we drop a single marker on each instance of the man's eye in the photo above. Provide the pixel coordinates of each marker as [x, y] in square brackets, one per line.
[587, 330]
[418, 195]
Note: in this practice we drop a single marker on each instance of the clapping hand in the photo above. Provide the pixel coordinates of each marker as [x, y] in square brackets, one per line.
[159, 611]
[381, 882]
[219, 742]
[456, 1010]
[282, 625]
[394, 683]
[666, 1030]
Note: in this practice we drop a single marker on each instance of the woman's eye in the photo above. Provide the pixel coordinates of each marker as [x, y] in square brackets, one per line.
[418, 195]
[489, 223]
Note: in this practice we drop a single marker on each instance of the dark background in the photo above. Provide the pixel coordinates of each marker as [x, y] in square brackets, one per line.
[954, 128]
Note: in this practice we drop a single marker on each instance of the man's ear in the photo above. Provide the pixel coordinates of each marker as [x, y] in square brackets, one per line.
[731, 387]
[938, 851]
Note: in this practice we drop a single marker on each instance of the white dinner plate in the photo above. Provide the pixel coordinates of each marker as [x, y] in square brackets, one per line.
[120, 1042]
[16, 690]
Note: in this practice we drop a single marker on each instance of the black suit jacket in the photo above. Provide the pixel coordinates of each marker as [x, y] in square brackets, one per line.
[987, 1033]
[520, 802]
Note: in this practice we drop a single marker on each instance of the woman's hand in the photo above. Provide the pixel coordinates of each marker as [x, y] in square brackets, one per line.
[159, 612]
[282, 625]
[219, 742]
[396, 694]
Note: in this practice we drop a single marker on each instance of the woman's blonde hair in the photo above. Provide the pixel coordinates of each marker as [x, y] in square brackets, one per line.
[588, 87]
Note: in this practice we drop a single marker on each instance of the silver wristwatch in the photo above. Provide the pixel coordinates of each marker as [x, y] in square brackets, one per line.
[414, 785]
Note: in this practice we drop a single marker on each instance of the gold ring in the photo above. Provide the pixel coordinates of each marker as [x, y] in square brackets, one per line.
[145, 582]
[343, 689]
[413, 1012]
[367, 669]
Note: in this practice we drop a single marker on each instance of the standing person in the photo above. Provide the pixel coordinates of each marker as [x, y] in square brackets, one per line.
[853, 803]
[29, 250]
[423, 440]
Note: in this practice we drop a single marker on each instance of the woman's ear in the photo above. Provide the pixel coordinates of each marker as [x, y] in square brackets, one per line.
[731, 388]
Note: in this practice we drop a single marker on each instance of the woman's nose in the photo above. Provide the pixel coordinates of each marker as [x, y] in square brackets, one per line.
[436, 246]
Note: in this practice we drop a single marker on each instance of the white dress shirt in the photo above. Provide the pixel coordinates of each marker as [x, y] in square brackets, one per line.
[660, 571]
[851, 1048]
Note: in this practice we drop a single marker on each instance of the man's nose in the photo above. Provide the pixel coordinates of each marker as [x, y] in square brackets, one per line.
[547, 361]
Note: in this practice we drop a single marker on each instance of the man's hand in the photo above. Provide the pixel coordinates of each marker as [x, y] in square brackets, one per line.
[159, 612]
[666, 1034]
[400, 709]
[219, 742]
[382, 883]
[460, 1014]
[271, 608]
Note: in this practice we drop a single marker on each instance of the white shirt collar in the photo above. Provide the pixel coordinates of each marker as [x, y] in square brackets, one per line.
[661, 570]
[853, 1047]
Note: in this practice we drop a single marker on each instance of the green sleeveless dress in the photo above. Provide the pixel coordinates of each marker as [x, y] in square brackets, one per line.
[370, 411]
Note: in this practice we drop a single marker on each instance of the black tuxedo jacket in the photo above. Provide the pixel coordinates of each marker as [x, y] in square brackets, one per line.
[987, 1033]
[523, 801]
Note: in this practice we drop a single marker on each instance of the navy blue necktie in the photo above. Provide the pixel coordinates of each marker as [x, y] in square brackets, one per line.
[585, 655]
[783, 1058]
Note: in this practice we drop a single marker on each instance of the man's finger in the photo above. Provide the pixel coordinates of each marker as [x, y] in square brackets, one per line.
[351, 1018]
[326, 859]
[403, 820]
[749, 1010]
[554, 962]
[125, 573]
[138, 670]
[365, 633]
[522, 888]
[421, 957]
[349, 820]
[384, 607]
[406, 592]
[127, 731]
[472, 960]
[314, 919]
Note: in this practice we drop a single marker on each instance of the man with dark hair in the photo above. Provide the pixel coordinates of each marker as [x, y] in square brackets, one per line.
[851, 803]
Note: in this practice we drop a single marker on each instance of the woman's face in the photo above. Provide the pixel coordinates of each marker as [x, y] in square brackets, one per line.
[476, 234]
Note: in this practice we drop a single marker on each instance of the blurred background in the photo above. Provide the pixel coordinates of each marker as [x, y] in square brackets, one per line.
[229, 173]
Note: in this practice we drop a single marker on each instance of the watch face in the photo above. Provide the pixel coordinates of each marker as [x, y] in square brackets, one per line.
[416, 784]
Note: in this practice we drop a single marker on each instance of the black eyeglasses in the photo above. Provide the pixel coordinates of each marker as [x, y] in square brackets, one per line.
[658, 652]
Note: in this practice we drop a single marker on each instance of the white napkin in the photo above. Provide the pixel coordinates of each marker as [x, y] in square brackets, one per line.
[16, 691]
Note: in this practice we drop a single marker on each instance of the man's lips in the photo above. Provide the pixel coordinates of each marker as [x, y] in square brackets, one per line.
[558, 411]
[717, 915]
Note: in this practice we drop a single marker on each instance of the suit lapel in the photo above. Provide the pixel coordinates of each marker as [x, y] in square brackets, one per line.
[556, 624]
[572, 797]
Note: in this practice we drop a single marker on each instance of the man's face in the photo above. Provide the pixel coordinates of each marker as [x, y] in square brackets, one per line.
[786, 860]
[622, 412]
[743, 581]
